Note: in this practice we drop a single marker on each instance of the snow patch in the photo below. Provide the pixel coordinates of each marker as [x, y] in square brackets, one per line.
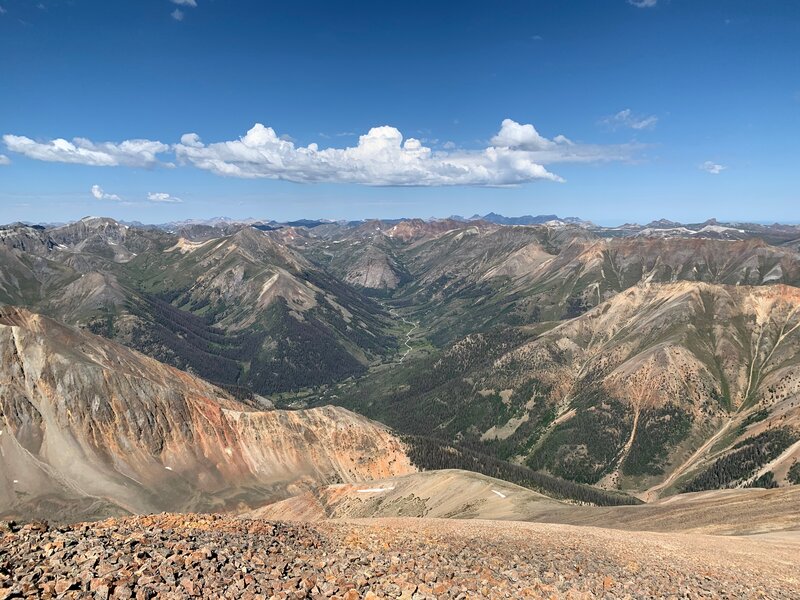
[374, 490]
[718, 229]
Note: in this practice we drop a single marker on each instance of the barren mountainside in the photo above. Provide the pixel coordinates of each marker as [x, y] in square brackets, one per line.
[456, 494]
[89, 426]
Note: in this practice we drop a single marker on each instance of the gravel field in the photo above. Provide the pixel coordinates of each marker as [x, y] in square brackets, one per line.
[212, 556]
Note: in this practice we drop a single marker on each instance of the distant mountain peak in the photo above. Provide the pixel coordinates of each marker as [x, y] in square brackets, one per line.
[663, 224]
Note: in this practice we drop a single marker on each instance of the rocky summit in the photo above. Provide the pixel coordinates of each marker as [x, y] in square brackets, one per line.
[212, 556]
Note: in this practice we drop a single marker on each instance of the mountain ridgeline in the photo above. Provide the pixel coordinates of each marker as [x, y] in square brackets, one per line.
[577, 360]
[239, 310]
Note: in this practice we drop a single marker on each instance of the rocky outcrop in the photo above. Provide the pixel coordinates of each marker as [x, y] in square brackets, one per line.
[84, 420]
[373, 269]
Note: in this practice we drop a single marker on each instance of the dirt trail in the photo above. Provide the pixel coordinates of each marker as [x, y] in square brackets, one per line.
[408, 337]
[409, 333]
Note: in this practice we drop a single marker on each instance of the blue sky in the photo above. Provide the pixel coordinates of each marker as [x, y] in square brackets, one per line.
[614, 112]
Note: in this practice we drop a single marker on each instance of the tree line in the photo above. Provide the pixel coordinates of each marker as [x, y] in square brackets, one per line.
[744, 460]
[431, 454]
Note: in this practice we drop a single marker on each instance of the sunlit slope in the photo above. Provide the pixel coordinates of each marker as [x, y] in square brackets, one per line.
[648, 389]
[87, 421]
[454, 494]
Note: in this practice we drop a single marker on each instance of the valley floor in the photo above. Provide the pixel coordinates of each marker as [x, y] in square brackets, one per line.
[180, 556]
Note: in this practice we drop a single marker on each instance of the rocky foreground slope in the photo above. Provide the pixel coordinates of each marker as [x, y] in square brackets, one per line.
[186, 556]
[91, 428]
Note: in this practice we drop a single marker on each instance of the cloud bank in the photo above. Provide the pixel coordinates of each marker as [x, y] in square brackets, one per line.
[382, 157]
[80, 151]
[517, 154]
[161, 197]
[178, 14]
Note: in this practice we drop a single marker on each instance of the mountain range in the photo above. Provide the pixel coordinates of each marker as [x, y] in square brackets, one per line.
[226, 365]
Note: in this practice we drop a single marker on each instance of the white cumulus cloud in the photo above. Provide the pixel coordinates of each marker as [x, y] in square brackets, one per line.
[517, 154]
[627, 119]
[98, 193]
[643, 3]
[192, 3]
[162, 197]
[177, 14]
[382, 157]
[4, 160]
[712, 167]
[523, 137]
[130, 153]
